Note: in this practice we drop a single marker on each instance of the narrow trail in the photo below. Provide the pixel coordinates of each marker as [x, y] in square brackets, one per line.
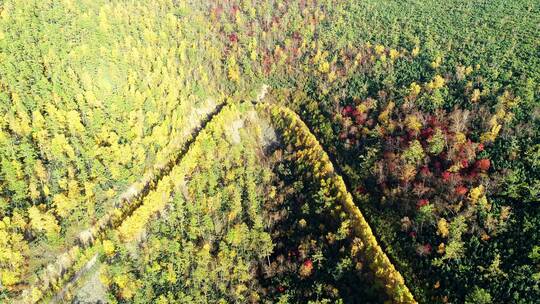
[60, 270]
[73, 281]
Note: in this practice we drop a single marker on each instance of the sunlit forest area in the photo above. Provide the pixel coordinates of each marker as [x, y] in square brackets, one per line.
[270, 151]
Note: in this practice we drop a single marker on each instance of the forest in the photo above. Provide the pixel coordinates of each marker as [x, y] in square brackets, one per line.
[270, 151]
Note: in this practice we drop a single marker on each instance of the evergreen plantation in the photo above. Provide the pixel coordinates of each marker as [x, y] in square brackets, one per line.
[269, 151]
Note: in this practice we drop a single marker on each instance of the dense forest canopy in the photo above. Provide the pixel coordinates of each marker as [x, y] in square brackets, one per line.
[270, 151]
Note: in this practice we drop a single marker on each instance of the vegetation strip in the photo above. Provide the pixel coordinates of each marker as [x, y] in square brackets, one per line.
[127, 205]
[296, 133]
